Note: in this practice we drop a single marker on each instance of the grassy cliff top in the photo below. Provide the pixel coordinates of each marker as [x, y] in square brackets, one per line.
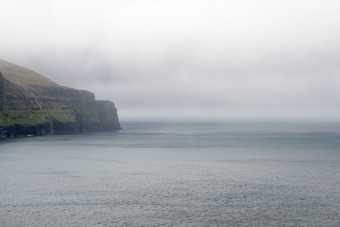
[23, 76]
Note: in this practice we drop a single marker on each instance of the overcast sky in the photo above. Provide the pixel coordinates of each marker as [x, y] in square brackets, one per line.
[184, 58]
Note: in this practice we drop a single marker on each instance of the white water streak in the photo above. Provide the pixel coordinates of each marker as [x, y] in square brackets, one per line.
[49, 118]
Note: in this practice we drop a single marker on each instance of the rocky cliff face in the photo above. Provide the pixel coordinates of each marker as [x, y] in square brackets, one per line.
[34, 105]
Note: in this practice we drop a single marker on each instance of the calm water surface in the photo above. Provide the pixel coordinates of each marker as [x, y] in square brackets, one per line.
[152, 174]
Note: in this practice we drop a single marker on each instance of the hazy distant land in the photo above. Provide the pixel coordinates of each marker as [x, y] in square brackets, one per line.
[31, 104]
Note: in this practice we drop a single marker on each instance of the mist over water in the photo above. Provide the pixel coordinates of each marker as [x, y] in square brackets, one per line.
[234, 58]
[237, 173]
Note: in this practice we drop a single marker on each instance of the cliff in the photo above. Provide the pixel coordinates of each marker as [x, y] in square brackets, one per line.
[31, 104]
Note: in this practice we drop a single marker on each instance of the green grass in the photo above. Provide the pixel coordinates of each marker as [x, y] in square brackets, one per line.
[88, 114]
[61, 115]
[32, 119]
[23, 76]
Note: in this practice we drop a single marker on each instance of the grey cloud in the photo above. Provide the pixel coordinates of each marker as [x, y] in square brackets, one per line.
[225, 56]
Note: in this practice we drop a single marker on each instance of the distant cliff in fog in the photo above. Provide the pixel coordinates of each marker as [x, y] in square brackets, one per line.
[31, 104]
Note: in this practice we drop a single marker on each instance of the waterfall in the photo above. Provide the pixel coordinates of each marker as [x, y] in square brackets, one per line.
[49, 118]
[40, 107]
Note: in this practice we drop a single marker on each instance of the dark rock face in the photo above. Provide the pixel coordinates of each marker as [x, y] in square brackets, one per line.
[17, 130]
[107, 114]
[40, 110]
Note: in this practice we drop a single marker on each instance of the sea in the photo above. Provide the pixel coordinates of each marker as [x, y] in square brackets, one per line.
[175, 173]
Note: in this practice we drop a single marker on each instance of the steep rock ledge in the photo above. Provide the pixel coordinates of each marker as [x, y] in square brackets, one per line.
[34, 109]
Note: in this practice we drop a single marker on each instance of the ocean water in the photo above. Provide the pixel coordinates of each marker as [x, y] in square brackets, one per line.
[175, 174]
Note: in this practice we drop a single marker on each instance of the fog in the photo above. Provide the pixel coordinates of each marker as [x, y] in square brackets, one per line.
[185, 59]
